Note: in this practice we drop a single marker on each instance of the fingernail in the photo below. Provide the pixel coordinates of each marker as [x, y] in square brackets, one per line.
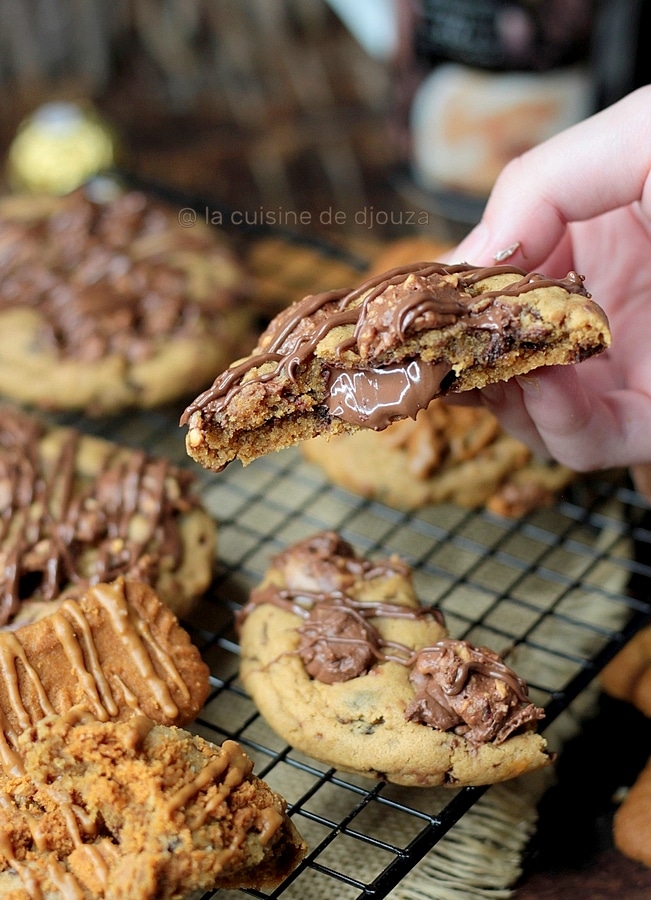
[530, 384]
[507, 252]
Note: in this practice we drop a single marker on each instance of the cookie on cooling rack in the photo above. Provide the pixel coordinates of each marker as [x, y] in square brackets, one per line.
[115, 650]
[346, 666]
[632, 820]
[109, 305]
[627, 677]
[76, 509]
[344, 360]
[447, 454]
[138, 810]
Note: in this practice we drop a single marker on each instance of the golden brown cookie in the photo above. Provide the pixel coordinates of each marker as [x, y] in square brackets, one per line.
[114, 651]
[447, 454]
[347, 667]
[107, 305]
[632, 821]
[628, 676]
[345, 360]
[75, 509]
[132, 809]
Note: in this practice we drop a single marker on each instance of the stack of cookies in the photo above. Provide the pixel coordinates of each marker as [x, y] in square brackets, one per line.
[106, 306]
[104, 793]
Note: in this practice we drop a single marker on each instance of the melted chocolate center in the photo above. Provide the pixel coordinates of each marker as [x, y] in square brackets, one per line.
[384, 310]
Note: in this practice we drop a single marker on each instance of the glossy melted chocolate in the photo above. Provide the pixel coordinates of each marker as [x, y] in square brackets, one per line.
[385, 310]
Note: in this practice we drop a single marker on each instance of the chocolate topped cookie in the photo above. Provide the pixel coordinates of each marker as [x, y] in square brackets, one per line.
[76, 510]
[107, 305]
[348, 667]
[344, 360]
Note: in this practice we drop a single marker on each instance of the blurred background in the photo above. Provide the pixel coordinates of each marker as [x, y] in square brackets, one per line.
[373, 119]
[356, 121]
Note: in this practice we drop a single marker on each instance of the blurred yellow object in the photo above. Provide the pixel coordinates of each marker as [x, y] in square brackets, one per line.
[59, 147]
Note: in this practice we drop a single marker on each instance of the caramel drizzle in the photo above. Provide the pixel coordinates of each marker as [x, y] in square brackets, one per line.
[421, 305]
[227, 772]
[52, 520]
[96, 686]
[136, 640]
[74, 633]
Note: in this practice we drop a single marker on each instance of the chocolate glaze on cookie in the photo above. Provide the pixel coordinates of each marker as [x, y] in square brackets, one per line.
[385, 310]
[471, 691]
[126, 515]
[461, 688]
[76, 267]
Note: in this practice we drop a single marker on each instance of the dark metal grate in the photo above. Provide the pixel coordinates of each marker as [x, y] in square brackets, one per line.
[559, 592]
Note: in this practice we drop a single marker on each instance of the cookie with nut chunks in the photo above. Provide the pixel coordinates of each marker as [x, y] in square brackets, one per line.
[347, 666]
[344, 360]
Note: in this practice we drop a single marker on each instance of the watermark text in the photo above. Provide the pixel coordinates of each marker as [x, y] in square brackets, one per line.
[365, 217]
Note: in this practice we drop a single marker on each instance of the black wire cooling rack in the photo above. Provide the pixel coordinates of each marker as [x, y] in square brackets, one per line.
[558, 592]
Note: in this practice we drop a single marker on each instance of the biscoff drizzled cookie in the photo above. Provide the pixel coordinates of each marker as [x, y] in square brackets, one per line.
[102, 795]
[132, 809]
[115, 651]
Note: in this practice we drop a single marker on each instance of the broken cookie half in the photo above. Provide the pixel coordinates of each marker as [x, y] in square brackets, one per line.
[349, 359]
[102, 810]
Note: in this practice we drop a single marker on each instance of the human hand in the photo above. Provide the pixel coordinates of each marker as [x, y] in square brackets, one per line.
[582, 201]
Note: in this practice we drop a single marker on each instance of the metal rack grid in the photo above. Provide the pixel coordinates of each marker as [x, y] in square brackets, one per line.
[559, 592]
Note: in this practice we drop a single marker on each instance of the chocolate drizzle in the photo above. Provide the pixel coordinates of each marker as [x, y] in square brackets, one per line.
[384, 310]
[469, 690]
[112, 278]
[60, 528]
[461, 688]
[373, 398]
